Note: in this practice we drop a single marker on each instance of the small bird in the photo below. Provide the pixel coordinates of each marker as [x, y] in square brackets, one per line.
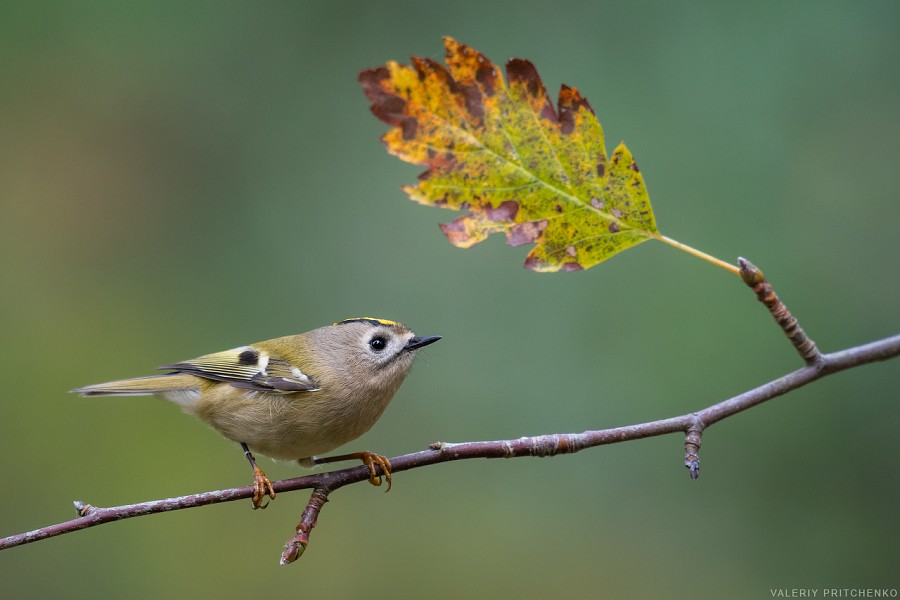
[293, 397]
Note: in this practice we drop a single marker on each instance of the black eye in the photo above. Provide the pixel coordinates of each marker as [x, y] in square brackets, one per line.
[378, 343]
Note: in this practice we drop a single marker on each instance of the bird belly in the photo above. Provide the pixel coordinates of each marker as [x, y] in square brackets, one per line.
[281, 426]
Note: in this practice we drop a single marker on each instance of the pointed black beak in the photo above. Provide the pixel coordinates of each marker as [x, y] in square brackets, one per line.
[418, 342]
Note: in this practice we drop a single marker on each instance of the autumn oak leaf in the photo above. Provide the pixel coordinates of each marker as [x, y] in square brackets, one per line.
[501, 151]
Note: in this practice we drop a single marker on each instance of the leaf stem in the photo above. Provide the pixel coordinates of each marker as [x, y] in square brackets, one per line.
[710, 259]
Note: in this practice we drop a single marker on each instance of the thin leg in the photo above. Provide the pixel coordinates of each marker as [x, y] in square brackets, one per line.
[370, 459]
[262, 483]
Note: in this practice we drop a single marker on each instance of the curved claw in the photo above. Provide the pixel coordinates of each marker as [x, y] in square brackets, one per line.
[370, 459]
[263, 487]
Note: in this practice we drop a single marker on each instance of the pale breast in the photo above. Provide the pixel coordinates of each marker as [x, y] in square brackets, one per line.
[285, 426]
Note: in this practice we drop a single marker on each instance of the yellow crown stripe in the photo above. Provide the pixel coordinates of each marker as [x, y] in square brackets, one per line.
[372, 320]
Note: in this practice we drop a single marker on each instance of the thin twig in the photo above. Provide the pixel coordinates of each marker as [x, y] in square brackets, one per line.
[765, 293]
[692, 440]
[543, 445]
[297, 544]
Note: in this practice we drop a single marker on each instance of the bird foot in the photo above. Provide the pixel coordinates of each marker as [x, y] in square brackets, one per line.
[263, 488]
[370, 459]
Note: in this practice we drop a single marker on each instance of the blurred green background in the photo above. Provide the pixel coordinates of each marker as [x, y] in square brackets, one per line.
[180, 178]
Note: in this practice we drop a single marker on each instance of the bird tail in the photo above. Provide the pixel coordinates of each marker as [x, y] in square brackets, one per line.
[169, 384]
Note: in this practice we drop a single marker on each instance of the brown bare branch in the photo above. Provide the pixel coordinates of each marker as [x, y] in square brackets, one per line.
[323, 484]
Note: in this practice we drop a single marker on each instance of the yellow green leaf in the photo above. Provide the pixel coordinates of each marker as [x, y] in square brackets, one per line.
[500, 150]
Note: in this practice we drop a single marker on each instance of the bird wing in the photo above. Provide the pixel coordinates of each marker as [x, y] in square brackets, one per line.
[251, 368]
